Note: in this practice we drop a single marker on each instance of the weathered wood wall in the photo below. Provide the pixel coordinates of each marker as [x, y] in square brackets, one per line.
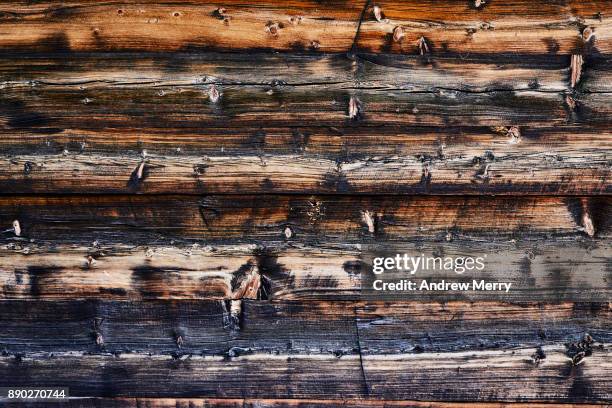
[183, 188]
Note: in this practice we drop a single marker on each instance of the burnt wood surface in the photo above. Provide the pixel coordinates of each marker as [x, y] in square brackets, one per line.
[517, 26]
[358, 350]
[553, 272]
[276, 403]
[311, 219]
[143, 247]
[190, 193]
[281, 124]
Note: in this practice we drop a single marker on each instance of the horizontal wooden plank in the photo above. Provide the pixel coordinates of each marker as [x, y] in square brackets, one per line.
[55, 109]
[490, 375]
[43, 108]
[184, 25]
[256, 375]
[394, 328]
[310, 160]
[206, 328]
[474, 73]
[486, 27]
[232, 329]
[133, 349]
[302, 25]
[277, 403]
[258, 219]
[551, 270]
[412, 342]
[296, 136]
[292, 247]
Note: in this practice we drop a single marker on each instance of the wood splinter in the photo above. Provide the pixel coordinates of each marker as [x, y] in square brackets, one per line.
[16, 228]
[587, 34]
[398, 34]
[422, 46]
[587, 220]
[90, 261]
[368, 218]
[213, 94]
[248, 285]
[576, 69]
[354, 108]
[235, 312]
[140, 170]
[515, 135]
[99, 339]
[378, 15]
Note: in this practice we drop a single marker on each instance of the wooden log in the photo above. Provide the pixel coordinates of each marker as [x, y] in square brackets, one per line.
[54, 109]
[187, 26]
[523, 353]
[553, 271]
[206, 328]
[277, 403]
[305, 26]
[291, 247]
[473, 73]
[492, 374]
[259, 135]
[475, 26]
[261, 374]
[146, 220]
[409, 341]
[307, 160]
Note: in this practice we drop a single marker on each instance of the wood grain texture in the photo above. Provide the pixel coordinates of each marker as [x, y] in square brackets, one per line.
[552, 272]
[473, 72]
[279, 403]
[482, 163]
[190, 194]
[174, 26]
[188, 107]
[348, 350]
[516, 26]
[449, 122]
[527, 27]
[293, 247]
[258, 219]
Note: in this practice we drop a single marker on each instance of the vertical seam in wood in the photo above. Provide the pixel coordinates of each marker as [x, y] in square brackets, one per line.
[354, 44]
[363, 374]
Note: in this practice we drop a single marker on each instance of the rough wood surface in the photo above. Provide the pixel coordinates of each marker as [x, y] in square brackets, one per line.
[506, 128]
[293, 247]
[352, 349]
[188, 107]
[279, 403]
[141, 219]
[182, 25]
[528, 27]
[190, 193]
[473, 73]
[553, 272]
[288, 161]
[459, 27]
